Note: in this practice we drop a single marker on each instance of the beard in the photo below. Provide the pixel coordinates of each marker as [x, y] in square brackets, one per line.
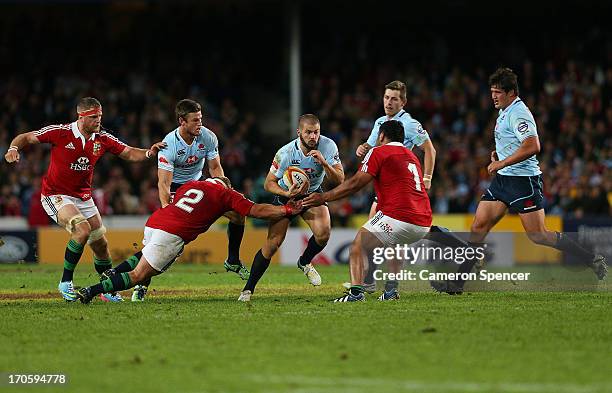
[307, 145]
[93, 129]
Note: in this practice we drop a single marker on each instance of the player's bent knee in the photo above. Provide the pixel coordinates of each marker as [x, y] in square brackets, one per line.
[276, 241]
[479, 226]
[81, 232]
[73, 224]
[322, 238]
[237, 219]
[96, 235]
[271, 247]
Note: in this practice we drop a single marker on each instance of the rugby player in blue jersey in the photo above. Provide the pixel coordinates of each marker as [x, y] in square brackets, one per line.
[188, 148]
[318, 156]
[517, 183]
[394, 101]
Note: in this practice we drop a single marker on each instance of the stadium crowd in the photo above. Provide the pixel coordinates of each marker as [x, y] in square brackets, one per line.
[139, 113]
[571, 104]
[570, 97]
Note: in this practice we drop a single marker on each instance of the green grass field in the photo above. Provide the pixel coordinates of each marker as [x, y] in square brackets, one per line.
[191, 335]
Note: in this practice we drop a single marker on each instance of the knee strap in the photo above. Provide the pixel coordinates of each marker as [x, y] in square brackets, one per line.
[96, 234]
[74, 221]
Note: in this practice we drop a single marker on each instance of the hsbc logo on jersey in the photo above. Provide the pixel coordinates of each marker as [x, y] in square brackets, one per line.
[191, 160]
[311, 173]
[82, 164]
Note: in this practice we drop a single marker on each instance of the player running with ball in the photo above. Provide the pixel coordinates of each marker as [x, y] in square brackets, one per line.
[318, 156]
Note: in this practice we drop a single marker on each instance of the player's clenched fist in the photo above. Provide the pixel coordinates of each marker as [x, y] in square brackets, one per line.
[362, 150]
[12, 155]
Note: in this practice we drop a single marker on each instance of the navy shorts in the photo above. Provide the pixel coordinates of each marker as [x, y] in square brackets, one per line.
[522, 194]
[175, 186]
[280, 200]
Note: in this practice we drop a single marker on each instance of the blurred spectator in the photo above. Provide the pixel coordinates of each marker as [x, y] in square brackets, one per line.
[568, 88]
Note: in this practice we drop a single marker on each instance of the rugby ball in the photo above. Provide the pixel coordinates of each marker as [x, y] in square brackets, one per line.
[294, 174]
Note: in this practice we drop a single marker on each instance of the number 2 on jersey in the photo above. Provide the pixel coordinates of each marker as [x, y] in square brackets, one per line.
[187, 200]
[417, 180]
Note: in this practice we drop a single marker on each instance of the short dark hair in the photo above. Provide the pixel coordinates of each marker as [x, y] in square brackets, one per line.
[308, 118]
[504, 78]
[86, 103]
[185, 107]
[225, 180]
[399, 86]
[393, 130]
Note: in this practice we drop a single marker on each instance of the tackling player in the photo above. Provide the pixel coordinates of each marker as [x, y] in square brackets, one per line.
[394, 100]
[404, 212]
[318, 156]
[189, 147]
[66, 188]
[517, 185]
[196, 206]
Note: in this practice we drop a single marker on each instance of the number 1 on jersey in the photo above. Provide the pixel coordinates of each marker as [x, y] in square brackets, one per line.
[186, 200]
[417, 179]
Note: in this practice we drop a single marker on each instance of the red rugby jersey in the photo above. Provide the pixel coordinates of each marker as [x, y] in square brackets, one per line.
[398, 183]
[196, 206]
[73, 158]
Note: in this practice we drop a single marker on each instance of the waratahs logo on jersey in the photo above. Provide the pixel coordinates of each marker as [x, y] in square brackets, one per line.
[163, 160]
[82, 164]
[191, 160]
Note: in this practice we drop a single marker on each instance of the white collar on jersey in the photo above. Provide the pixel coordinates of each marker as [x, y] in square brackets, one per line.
[77, 133]
[180, 138]
[397, 115]
[395, 144]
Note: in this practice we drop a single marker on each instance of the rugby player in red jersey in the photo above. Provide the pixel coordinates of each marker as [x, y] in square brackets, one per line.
[404, 212]
[66, 188]
[195, 207]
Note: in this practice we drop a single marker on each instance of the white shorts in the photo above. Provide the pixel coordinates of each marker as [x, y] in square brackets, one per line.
[53, 203]
[161, 248]
[391, 231]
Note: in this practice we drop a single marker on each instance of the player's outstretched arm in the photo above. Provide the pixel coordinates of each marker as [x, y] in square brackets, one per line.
[20, 141]
[136, 154]
[272, 212]
[351, 186]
